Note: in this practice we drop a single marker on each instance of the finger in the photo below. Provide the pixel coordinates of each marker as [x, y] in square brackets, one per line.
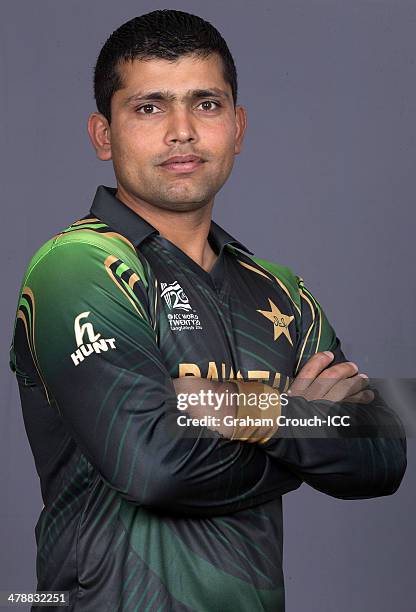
[330, 377]
[347, 387]
[312, 368]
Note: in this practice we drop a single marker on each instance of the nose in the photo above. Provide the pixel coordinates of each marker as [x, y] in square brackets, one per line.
[181, 127]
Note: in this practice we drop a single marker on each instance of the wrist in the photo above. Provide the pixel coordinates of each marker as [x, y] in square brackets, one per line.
[257, 410]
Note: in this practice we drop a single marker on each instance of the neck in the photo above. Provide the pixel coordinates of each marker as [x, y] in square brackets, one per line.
[188, 230]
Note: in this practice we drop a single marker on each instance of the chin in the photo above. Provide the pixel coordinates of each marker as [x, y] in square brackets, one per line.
[181, 205]
[184, 199]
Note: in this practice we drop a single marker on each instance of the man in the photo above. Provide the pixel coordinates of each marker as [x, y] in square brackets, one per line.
[146, 298]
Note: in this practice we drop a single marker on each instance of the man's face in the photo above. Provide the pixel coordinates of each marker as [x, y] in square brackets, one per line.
[167, 109]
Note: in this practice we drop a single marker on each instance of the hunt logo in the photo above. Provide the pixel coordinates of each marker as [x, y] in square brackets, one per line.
[94, 344]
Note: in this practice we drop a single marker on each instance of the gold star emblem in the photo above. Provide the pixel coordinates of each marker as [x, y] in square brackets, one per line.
[280, 321]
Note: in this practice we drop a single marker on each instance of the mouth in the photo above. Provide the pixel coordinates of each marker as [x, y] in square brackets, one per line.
[182, 163]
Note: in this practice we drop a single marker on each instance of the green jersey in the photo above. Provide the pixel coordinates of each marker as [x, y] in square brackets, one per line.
[139, 514]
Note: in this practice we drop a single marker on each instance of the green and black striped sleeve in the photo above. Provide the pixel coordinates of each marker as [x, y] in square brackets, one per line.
[316, 333]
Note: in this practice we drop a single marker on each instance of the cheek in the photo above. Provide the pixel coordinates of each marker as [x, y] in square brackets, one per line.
[222, 139]
[131, 147]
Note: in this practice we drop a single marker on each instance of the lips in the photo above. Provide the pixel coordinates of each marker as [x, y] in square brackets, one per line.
[183, 163]
[181, 159]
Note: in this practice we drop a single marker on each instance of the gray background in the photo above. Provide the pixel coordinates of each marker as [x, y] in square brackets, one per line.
[325, 185]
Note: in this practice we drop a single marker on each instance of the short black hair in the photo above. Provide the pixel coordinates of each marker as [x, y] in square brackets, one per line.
[164, 34]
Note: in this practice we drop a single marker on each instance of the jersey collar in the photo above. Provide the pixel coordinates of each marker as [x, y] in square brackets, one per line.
[123, 220]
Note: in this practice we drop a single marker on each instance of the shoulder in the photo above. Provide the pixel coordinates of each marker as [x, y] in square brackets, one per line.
[87, 241]
[287, 280]
[282, 272]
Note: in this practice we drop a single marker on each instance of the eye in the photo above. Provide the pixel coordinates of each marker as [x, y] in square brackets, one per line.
[147, 109]
[210, 103]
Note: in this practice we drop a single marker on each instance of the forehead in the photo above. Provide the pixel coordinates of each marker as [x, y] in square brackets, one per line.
[185, 73]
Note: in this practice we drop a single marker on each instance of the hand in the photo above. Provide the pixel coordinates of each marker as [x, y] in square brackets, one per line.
[340, 382]
[193, 385]
[236, 428]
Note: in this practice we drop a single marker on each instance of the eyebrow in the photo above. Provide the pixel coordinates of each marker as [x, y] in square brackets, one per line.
[168, 96]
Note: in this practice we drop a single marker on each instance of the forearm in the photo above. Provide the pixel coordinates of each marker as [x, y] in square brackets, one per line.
[366, 457]
[235, 405]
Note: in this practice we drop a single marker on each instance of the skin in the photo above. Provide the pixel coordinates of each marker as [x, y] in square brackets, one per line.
[144, 132]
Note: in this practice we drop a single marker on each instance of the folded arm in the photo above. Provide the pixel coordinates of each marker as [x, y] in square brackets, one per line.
[92, 341]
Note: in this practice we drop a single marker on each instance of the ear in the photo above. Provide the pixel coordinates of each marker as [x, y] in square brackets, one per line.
[99, 132]
[240, 124]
